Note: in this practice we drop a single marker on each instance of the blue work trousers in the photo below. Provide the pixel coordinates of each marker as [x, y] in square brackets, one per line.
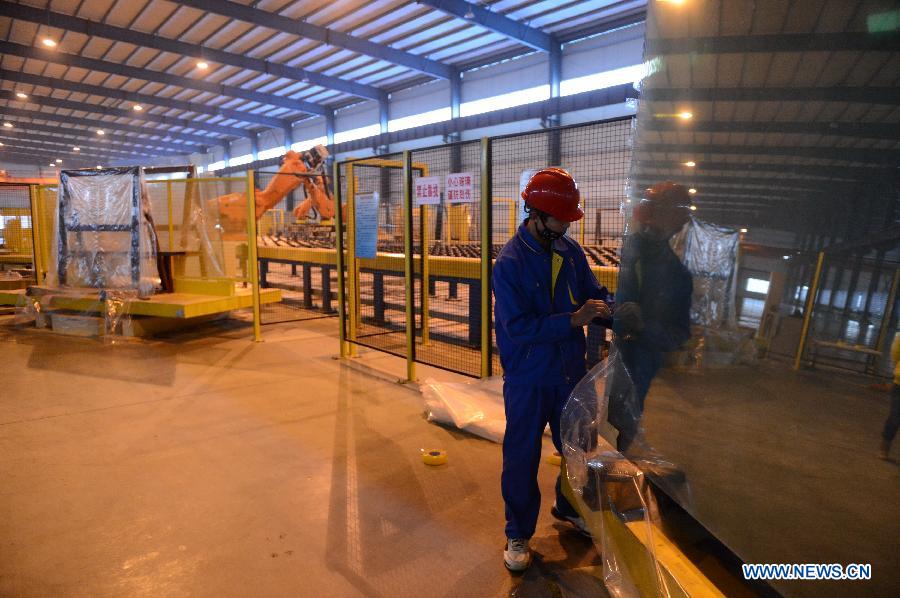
[528, 411]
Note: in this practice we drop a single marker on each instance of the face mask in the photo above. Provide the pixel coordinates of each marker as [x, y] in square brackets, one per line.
[546, 233]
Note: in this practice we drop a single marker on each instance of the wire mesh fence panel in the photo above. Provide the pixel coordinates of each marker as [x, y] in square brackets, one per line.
[447, 243]
[375, 295]
[16, 238]
[296, 255]
[448, 285]
[598, 155]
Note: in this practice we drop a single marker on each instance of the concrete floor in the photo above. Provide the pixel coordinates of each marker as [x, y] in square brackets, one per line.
[206, 465]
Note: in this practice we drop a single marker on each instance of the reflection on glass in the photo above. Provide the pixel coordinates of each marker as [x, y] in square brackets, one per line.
[773, 405]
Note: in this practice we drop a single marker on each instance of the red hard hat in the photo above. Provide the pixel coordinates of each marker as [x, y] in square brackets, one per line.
[553, 191]
[664, 201]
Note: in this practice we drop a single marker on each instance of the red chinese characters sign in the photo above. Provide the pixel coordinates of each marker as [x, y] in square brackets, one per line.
[427, 190]
[460, 187]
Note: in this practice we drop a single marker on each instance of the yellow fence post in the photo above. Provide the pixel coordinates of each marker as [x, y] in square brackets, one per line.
[486, 257]
[169, 209]
[352, 264]
[339, 256]
[408, 267]
[807, 314]
[252, 265]
[37, 244]
[426, 278]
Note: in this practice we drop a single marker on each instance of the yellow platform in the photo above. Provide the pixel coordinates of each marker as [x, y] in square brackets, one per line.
[459, 267]
[168, 305]
[636, 547]
[12, 297]
[16, 258]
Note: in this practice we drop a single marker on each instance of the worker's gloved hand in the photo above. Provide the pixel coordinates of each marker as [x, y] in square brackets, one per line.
[593, 308]
[628, 319]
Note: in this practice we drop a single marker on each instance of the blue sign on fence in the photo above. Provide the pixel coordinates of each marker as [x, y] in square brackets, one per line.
[366, 217]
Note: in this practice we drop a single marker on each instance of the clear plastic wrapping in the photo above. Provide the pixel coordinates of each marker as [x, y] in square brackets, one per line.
[103, 232]
[611, 490]
[102, 313]
[710, 253]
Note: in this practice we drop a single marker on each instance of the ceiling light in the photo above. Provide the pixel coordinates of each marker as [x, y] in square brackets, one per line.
[685, 115]
[1, 144]
[8, 125]
[743, 230]
[99, 167]
[48, 42]
[692, 190]
[76, 149]
[138, 107]
[787, 257]
[101, 132]
[690, 163]
[21, 95]
[58, 161]
[693, 208]
[202, 65]
[52, 164]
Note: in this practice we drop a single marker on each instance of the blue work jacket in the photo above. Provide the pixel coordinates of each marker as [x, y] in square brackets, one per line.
[538, 344]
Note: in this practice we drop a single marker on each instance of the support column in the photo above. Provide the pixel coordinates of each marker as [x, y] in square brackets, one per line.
[329, 128]
[254, 146]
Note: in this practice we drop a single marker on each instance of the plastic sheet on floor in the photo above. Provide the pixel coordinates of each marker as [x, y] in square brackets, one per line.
[476, 406]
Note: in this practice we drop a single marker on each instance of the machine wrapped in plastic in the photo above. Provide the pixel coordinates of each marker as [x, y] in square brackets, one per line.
[710, 253]
[103, 232]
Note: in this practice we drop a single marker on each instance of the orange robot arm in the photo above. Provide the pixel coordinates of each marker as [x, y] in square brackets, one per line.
[233, 206]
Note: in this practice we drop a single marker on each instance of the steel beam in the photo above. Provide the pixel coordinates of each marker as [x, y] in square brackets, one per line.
[56, 143]
[839, 129]
[114, 68]
[301, 28]
[159, 148]
[18, 145]
[868, 95]
[847, 41]
[93, 28]
[146, 99]
[874, 156]
[37, 159]
[185, 138]
[520, 32]
[142, 115]
[824, 171]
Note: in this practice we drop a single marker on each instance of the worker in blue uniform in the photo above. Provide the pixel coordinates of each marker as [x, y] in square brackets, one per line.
[653, 298]
[545, 293]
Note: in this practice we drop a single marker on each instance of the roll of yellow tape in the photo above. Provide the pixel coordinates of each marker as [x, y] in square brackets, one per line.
[434, 456]
[553, 459]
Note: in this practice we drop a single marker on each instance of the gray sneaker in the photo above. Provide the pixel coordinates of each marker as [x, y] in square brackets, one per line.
[517, 556]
